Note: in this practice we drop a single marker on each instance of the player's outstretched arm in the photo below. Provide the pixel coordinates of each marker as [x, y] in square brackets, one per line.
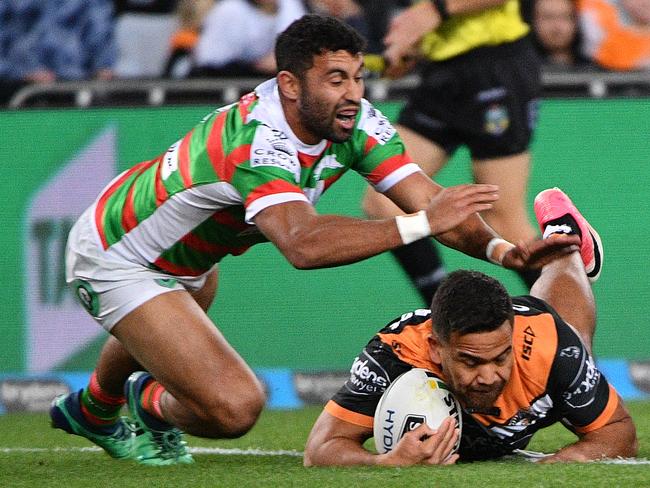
[334, 442]
[310, 240]
[617, 438]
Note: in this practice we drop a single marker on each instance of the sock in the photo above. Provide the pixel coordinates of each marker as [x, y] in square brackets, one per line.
[99, 408]
[421, 261]
[562, 225]
[150, 401]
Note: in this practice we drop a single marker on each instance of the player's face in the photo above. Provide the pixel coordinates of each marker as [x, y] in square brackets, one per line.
[330, 96]
[477, 366]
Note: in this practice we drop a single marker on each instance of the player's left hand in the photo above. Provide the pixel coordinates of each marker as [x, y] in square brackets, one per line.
[537, 253]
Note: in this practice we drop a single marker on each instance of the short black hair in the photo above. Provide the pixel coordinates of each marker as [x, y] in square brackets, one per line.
[468, 302]
[310, 36]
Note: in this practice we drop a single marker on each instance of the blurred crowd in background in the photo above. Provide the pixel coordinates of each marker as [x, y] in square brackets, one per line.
[44, 41]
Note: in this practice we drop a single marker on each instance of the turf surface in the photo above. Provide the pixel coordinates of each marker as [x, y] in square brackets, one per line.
[34, 455]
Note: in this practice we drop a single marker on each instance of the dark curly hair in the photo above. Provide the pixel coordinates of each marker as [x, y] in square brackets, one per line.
[467, 302]
[310, 36]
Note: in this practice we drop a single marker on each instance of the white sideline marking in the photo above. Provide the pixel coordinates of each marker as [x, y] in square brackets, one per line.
[251, 452]
[193, 450]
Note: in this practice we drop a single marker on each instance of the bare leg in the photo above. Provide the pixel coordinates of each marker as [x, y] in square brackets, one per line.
[564, 285]
[115, 364]
[509, 216]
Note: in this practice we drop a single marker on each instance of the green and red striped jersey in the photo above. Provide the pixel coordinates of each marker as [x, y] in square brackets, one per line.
[185, 210]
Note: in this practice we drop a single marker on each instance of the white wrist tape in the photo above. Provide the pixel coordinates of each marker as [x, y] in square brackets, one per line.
[413, 227]
[491, 247]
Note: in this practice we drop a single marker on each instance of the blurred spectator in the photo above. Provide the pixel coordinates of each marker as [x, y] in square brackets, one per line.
[616, 32]
[42, 42]
[143, 29]
[238, 37]
[556, 33]
[349, 11]
[190, 16]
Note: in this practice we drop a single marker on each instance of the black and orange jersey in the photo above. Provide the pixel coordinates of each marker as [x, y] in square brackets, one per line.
[554, 379]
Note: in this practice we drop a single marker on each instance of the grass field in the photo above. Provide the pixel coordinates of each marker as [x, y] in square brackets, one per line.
[34, 455]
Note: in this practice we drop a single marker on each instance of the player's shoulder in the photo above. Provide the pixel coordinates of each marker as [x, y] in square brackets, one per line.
[529, 305]
[400, 324]
[372, 122]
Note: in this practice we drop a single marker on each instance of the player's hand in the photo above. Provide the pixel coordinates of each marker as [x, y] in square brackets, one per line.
[537, 253]
[404, 66]
[407, 29]
[425, 445]
[454, 204]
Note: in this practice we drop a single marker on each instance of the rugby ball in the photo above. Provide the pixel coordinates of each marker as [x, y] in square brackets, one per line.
[415, 397]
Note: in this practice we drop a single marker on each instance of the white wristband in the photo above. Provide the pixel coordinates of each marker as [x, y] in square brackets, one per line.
[413, 227]
[491, 247]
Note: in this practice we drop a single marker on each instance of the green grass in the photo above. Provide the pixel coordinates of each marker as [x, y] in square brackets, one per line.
[52, 467]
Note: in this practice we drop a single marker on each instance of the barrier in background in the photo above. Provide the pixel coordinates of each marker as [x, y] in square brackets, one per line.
[56, 161]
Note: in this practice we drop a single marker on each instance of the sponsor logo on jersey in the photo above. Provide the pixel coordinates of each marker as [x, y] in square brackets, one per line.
[377, 126]
[582, 394]
[170, 160]
[271, 147]
[496, 119]
[572, 352]
[524, 418]
[527, 346]
[366, 376]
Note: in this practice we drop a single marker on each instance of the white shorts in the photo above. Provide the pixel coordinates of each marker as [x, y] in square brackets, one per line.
[108, 286]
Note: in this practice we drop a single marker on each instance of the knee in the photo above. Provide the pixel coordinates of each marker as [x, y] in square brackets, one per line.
[234, 412]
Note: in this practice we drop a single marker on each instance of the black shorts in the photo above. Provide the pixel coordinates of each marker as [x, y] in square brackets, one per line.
[486, 99]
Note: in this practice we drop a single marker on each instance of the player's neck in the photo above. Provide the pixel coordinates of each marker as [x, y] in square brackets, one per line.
[294, 121]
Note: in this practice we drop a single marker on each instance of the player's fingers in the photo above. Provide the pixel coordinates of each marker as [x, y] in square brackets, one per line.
[451, 459]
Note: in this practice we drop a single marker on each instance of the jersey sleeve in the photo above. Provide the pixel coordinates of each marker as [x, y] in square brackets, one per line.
[585, 399]
[268, 172]
[371, 373]
[384, 160]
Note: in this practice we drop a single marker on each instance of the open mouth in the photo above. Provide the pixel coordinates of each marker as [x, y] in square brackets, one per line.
[346, 118]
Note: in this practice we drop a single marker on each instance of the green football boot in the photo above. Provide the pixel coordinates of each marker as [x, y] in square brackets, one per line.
[156, 443]
[65, 414]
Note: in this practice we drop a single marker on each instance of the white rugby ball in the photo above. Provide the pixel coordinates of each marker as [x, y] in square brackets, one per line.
[415, 397]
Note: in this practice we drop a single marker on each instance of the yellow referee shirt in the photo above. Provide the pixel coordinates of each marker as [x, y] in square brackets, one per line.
[464, 32]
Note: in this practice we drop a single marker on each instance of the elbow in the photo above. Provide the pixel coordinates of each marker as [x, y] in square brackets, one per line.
[307, 460]
[300, 260]
[310, 456]
[300, 254]
[633, 444]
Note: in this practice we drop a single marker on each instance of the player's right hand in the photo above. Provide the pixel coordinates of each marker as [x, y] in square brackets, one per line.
[425, 445]
[452, 205]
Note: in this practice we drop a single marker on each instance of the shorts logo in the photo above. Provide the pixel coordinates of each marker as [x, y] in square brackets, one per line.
[87, 297]
[533, 113]
[497, 120]
[166, 282]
